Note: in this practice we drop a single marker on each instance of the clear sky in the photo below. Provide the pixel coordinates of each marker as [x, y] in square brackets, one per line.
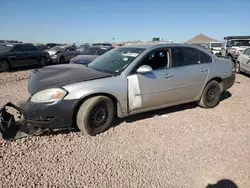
[79, 21]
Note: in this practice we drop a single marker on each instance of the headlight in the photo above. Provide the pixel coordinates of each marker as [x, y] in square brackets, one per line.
[239, 52]
[49, 95]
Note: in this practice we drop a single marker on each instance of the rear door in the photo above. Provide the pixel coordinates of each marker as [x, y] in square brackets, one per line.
[189, 71]
[70, 53]
[33, 54]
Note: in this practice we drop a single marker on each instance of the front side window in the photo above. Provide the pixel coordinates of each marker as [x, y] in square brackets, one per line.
[156, 60]
[116, 60]
[20, 48]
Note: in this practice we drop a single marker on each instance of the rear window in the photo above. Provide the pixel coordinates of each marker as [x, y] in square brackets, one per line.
[216, 45]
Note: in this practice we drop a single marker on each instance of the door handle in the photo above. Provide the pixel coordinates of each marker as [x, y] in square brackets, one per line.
[168, 75]
[204, 69]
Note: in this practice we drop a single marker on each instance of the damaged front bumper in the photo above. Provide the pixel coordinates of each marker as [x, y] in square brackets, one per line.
[12, 127]
[34, 119]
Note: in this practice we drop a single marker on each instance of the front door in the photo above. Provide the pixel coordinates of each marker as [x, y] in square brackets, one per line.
[18, 56]
[148, 90]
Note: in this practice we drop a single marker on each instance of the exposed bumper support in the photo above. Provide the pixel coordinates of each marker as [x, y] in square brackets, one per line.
[12, 128]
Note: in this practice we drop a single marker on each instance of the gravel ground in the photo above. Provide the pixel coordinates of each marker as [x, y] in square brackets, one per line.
[184, 146]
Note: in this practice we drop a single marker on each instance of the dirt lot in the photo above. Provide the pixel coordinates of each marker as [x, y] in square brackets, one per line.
[184, 146]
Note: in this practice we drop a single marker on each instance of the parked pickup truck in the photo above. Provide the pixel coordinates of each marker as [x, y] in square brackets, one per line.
[233, 46]
[124, 81]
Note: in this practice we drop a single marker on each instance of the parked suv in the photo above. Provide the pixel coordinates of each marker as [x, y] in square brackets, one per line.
[233, 46]
[215, 47]
[16, 55]
[125, 81]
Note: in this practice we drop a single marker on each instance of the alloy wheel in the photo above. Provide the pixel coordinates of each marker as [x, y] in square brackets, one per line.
[4, 66]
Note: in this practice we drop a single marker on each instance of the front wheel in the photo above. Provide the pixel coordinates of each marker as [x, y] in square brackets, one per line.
[4, 66]
[95, 115]
[211, 95]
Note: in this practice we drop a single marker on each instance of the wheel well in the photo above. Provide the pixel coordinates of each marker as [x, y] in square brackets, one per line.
[81, 101]
[219, 80]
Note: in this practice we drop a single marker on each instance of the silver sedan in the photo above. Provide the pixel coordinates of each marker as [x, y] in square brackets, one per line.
[62, 54]
[124, 81]
[243, 62]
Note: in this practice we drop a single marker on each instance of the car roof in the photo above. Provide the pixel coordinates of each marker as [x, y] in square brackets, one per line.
[158, 45]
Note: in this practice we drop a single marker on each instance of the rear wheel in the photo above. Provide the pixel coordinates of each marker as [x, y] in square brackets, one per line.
[62, 60]
[95, 115]
[43, 61]
[211, 95]
[4, 66]
[237, 68]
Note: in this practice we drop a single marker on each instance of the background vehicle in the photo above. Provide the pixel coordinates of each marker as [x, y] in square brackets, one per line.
[90, 54]
[42, 47]
[243, 62]
[125, 81]
[50, 45]
[82, 47]
[101, 44]
[204, 46]
[233, 46]
[215, 47]
[17, 55]
[62, 54]
[9, 41]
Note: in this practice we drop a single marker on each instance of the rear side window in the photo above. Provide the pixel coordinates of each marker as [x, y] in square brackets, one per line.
[205, 58]
[191, 56]
[184, 56]
[31, 48]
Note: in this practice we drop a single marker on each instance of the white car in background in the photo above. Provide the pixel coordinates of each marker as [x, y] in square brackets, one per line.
[243, 62]
[215, 47]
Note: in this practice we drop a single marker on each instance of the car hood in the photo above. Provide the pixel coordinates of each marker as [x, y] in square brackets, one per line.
[216, 48]
[240, 47]
[61, 75]
[84, 59]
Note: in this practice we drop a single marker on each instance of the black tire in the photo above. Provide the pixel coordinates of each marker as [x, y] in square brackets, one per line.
[62, 60]
[43, 61]
[95, 115]
[231, 58]
[237, 67]
[211, 95]
[4, 66]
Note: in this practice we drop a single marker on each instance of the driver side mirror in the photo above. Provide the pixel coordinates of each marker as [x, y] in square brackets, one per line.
[212, 49]
[144, 69]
